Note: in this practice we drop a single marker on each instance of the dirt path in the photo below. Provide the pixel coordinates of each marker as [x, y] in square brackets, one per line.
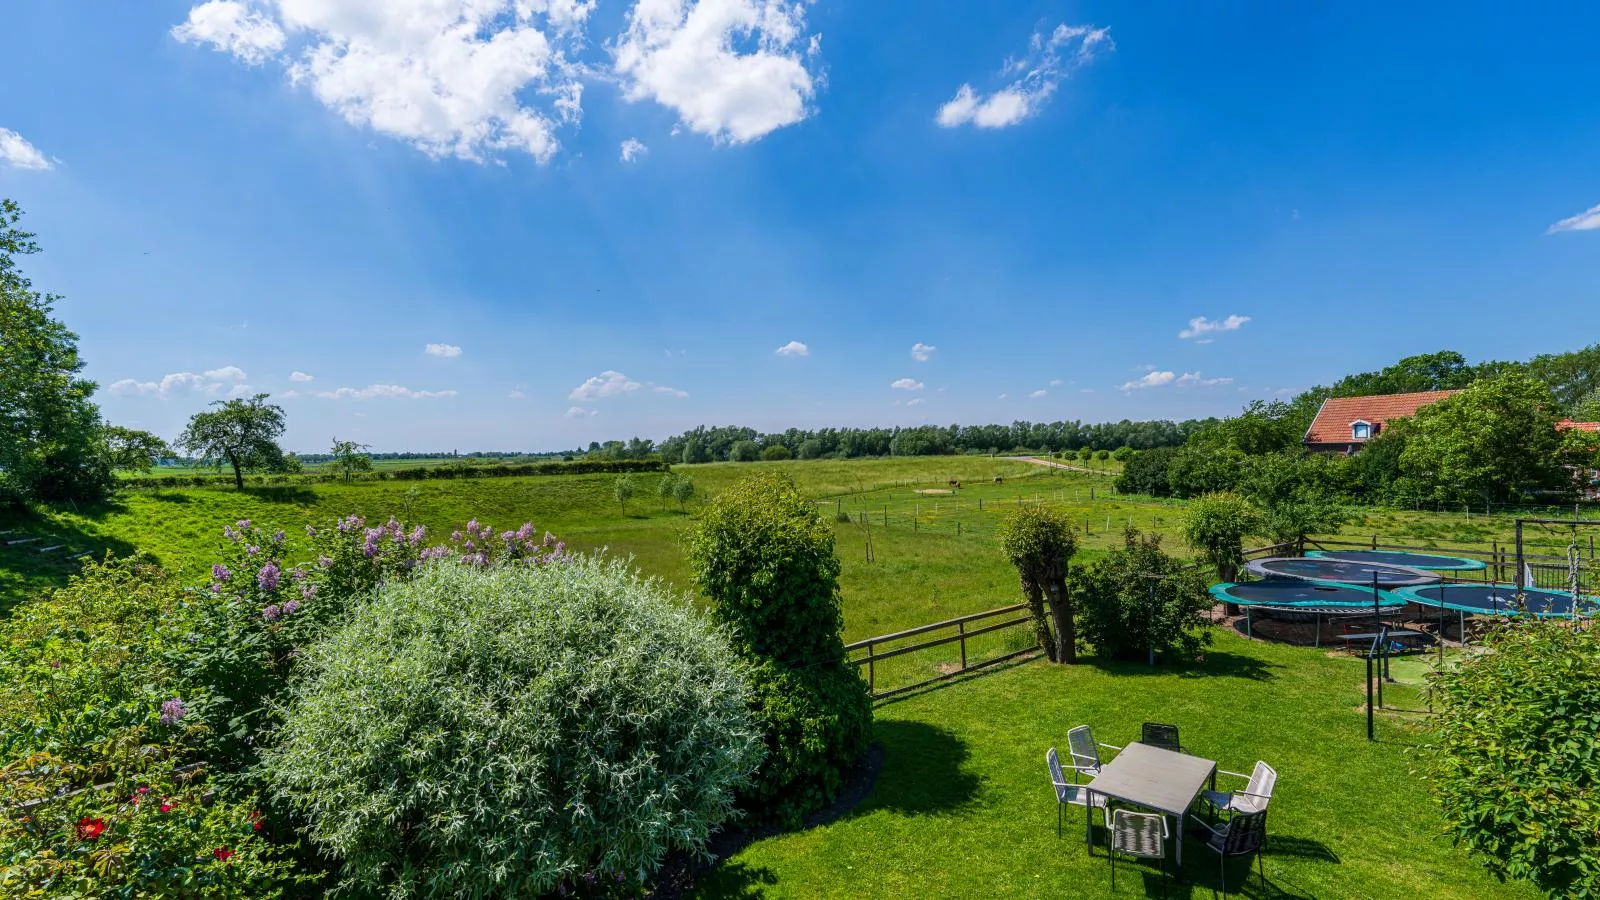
[1059, 465]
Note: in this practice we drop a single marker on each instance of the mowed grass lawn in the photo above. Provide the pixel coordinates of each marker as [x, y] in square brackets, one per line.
[963, 806]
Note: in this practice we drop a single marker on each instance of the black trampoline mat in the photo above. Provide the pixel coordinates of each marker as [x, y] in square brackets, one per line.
[1402, 558]
[1498, 598]
[1346, 571]
[1305, 595]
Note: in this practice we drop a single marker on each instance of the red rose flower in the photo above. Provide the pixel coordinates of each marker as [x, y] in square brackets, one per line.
[222, 853]
[166, 805]
[89, 829]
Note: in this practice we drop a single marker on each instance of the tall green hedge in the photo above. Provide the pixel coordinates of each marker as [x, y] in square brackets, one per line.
[765, 558]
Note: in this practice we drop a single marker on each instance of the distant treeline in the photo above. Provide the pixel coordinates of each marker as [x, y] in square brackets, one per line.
[418, 473]
[315, 458]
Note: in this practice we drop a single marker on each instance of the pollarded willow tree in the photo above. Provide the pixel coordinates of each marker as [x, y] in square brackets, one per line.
[1040, 542]
[765, 558]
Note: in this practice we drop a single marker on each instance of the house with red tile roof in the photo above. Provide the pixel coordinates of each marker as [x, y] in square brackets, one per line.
[1343, 424]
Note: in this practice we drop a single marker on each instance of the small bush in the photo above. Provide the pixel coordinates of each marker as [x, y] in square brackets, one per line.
[1516, 755]
[1122, 618]
[508, 730]
[764, 557]
[776, 453]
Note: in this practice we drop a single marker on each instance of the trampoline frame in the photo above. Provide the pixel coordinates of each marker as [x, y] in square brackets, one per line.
[1418, 577]
[1387, 605]
[1469, 565]
[1412, 595]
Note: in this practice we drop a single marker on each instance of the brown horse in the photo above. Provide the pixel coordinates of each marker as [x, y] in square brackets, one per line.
[955, 485]
[999, 479]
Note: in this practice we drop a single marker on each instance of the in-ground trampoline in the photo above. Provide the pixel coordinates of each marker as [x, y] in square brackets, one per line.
[1430, 561]
[1303, 601]
[1497, 600]
[1310, 568]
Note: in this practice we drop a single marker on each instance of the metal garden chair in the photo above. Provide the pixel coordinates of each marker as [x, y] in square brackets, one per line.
[1074, 794]
[1085, 751]
[1155, 734]
[1139, 834]
[1255, 797]
[1241, 835]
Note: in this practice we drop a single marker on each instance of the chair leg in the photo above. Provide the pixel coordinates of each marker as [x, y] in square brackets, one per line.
[1112, 852]
[1058, 818]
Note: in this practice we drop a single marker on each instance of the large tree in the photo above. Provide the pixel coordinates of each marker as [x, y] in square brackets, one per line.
[242, 433]
[132, 450]
[50, 447]
[1495, 441]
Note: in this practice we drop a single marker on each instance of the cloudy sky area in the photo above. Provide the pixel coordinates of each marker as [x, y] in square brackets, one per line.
[528, 224]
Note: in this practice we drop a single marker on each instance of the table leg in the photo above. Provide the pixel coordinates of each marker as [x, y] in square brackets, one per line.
[1179, 840]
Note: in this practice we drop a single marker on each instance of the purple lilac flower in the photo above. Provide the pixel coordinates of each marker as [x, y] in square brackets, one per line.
[220, 572]
[525, 532]
[486, 533]
[310, 532]
[277, 537]
[471, 546]
[417, 534]
[309, 592]
[472, 527]
[455, 535]
[298, 574]
[242, 524]
[324, 561]
[173, 710]
[252, 550]
[268, 577]
[290, 607]
[272, 612]
[227, 532]
[216, 588]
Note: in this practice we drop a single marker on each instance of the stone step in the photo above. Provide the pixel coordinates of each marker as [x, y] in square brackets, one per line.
[21, 541]
[52, 548]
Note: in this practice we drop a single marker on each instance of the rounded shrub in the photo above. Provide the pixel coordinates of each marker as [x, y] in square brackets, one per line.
[765, 558]
[512, 730]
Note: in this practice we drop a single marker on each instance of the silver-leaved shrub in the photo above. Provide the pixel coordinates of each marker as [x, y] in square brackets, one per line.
[513, 730]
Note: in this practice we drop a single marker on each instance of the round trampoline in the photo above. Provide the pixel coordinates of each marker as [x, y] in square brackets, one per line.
[1304, 597]
[1310, 568]
[1430, 561]
[1497, 600]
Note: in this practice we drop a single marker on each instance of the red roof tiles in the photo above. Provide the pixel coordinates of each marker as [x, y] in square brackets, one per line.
[1569, 425]
[1333, 421]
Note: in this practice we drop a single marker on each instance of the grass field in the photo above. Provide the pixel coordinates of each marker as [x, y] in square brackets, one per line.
[964, 808]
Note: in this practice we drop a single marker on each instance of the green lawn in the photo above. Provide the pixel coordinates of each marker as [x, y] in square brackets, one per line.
[964, 808]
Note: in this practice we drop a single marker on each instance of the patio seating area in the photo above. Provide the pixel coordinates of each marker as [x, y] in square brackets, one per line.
[1151, 790]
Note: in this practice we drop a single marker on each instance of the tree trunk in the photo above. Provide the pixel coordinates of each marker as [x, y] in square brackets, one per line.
[238, 474]
[1041, 629]
[1061, 611]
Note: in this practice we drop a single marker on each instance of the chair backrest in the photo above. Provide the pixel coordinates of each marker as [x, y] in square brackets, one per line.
[1085, 752]
[1243, 834]
[1139, 833]
[1155, 734]
[1056, 778]
[1262, 780]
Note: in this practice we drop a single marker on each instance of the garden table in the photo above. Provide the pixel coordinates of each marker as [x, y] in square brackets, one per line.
[1162, 780]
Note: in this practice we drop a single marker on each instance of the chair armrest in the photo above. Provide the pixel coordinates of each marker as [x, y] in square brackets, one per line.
[1111, 746]
[1257, 796]
[1234, 774]
[1204, 824]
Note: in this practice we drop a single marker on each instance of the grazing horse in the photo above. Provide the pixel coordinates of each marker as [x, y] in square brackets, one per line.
[955, 485]
[999, 479]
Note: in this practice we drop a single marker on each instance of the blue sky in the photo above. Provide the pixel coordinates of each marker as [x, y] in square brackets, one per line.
[606, 219]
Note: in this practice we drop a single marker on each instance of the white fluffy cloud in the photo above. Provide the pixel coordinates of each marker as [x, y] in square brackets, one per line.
[1201, 327]
[915, 401]
[578, 412]
[15, 151]
[607, 384]
[1153, 378]
[448, 351]
[1037, 394]
[922, 352]
[301, 376]
[1193, 379]
[1588, 220]
[462, 78]
[228, 379]
[735, 70]
[632, 149]
[1034, 78]
[906, 384]
[794, 348]
[376, 391]
[668, 391]
[232, 27]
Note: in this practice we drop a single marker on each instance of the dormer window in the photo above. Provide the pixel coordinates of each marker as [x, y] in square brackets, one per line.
[1361, 430]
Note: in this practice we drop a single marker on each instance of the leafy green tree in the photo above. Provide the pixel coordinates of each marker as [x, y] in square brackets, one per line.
[51, 444]
[764, 557]
[1571, 377]
[1495, 441]
[1216, 525]
[622, 489]
[1261, 428]
[1146, 473]
[1085, 454]
[776, 453]
[132, 450]
[1515, 761]
[667, 487]
[1138, 600]
[744, 451]
[350, 458]
[682, 490]
[1442, 371]
[1040, 542]
[1296, 493]
[242, 433]
[1587, 407]
[812, 448]
[694, 451]
[1204, 470]
[1121, 454]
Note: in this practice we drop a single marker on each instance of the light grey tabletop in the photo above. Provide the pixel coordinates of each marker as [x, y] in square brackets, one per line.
[1154, 778]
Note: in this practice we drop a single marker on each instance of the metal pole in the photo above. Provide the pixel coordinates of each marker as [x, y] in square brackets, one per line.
[1369, 697]
[1150, 624]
